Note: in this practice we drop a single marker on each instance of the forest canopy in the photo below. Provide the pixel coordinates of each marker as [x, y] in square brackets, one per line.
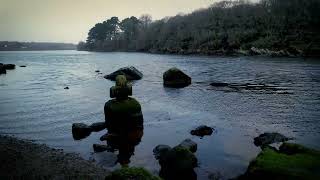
[223, 28]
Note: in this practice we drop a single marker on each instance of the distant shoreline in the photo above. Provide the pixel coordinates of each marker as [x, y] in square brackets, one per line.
[34, 46]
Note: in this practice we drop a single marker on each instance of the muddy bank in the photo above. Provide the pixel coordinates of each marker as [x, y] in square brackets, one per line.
[22, 159]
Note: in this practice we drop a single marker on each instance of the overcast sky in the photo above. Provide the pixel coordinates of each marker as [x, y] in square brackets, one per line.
[70, 20]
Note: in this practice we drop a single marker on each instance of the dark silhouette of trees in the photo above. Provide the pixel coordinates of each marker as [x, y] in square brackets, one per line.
[224, 27]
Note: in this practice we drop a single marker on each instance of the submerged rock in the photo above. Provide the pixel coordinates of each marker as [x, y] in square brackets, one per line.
[202, 131]
[80, 131]
[175, 78]
[99, 126]
[219, 84]
[23, 66]
[131, 73]
[66, 88]
[300, 163]
[132, 173]
[189, 144]
[269, 138]
[2, 69]
[97, 71]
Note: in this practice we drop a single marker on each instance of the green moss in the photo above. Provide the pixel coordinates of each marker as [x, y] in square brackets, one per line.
[270, 164]
[129, 105]
[132, 173]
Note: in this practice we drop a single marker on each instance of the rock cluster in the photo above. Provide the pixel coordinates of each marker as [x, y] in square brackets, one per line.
[177, 162]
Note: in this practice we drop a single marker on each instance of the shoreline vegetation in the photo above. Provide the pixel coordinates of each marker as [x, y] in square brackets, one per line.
[34, 46]
[269, 27]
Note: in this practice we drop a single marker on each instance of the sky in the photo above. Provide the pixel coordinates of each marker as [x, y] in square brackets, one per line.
[70, 20]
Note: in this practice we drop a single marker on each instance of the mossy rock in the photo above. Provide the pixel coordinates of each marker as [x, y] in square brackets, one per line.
[132, 173]
[123, 115]
[178, 163]
[175, 78]
[300, 163]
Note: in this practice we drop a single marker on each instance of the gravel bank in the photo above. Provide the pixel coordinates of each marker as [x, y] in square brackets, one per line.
[21, 159]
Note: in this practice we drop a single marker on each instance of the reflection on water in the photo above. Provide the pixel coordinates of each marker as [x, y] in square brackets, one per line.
[125, 144]
[35, 105]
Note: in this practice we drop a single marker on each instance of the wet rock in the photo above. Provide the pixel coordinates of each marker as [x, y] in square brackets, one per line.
[300, 163]
[2, 69]
[175, 78]
[202, 131]
[269, 138]
[9, 66]
[189, 144]
[131, 73]
[160, 150]
[130, 112]
[219, 84]
[100, 147]
[80, 131]
[66, 88]
[178, 163]
[99, 126]
[23, 66]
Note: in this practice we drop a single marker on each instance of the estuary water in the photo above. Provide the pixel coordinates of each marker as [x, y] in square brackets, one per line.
[34, 104]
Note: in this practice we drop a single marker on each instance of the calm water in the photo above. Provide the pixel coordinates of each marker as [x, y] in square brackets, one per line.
[34, 104]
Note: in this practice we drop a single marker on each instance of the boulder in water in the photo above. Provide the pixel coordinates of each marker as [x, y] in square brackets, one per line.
[269, 138]
[159, 150]
[178, 162]
[80, 131]
[131, 73]
[9, 66]
[189, 144]
[202, 131]
[2, 69]
[175, 78]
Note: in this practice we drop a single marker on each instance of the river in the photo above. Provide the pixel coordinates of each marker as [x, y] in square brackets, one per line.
[34, 104]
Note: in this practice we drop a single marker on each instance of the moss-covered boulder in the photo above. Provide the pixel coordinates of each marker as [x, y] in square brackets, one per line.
[132, 173]
[131, 73]
[123, 115]
[175, 78]
[291, 162]
[178, 163]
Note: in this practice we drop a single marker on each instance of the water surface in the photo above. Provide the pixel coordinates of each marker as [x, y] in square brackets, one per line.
[34, 104]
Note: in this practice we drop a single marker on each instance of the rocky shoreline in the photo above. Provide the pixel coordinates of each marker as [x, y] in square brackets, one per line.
[23, 159]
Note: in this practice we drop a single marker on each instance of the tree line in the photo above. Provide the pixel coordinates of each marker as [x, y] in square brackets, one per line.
[223, 28]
